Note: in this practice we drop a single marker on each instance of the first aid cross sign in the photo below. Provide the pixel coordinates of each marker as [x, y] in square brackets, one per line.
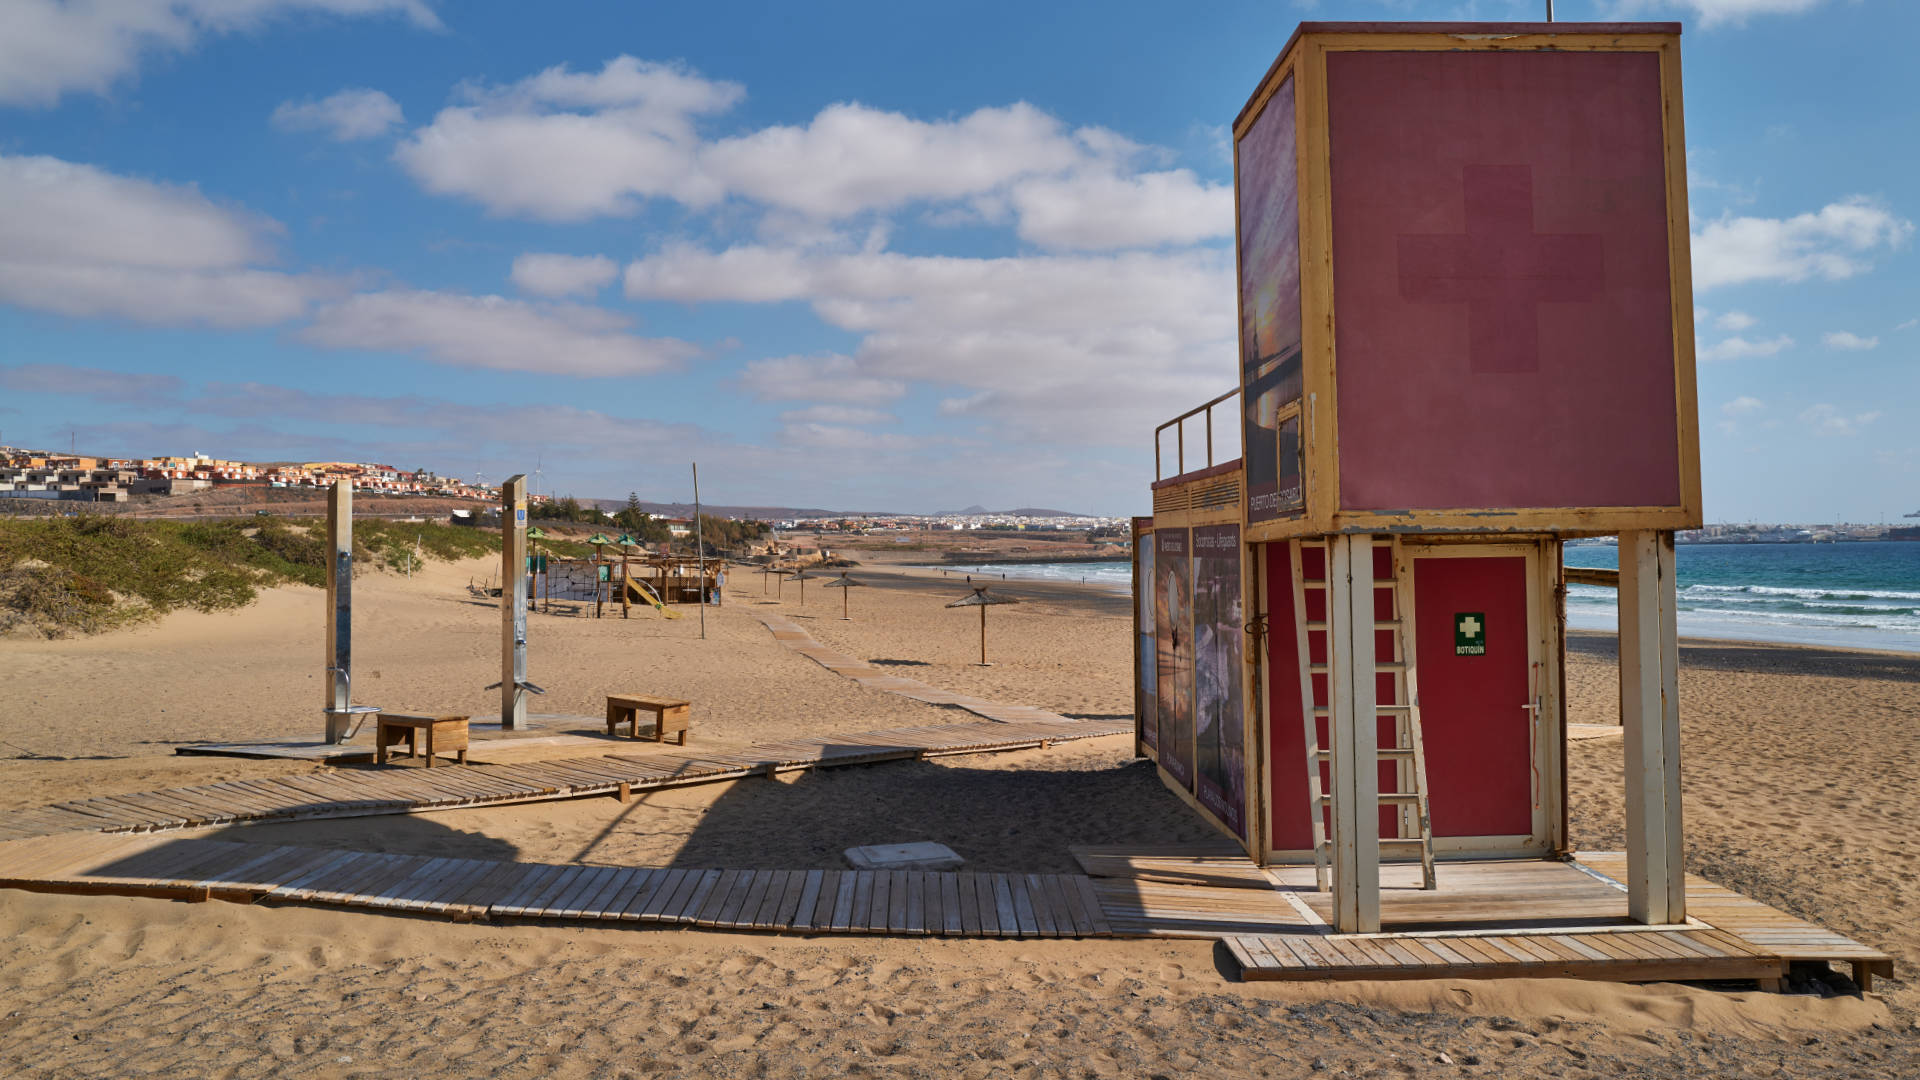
[1470, 634]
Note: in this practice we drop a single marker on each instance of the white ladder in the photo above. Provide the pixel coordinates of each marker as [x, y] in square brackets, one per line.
[1414, 822]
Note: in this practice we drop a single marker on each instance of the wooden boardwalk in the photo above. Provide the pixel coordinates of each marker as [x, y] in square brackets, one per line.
[790, 634]
[404, 790]
[1616, 955]
[795, 901]
[1488, 919]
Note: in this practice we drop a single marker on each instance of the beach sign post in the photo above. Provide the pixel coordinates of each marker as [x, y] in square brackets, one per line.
[513, 603]
[339, 610]
[843, 583]
[981, 600]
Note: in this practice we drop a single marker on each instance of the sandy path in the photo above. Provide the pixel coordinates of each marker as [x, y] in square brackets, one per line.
[1814, 818]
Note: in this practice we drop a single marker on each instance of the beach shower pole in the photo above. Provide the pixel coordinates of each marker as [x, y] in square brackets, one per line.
[699, 552]
[339, 610]
[513, 602]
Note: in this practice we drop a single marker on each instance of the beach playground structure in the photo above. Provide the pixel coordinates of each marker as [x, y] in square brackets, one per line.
[1466, 331]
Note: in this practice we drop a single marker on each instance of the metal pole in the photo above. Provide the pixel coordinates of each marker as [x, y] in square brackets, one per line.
[339, 610]
[1549, 10]
[700, 551]
[513, 602]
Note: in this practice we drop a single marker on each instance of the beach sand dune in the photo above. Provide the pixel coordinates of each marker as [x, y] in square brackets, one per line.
[1800, 782]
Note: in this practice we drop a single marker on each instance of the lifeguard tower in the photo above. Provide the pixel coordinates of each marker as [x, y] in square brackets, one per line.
[1466, 335]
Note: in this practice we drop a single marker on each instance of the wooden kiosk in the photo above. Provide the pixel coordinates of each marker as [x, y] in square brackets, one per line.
[1466, 333]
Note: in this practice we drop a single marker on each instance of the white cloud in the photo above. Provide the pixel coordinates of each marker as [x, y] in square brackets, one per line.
[1847, 339]
[1735, 321]
[845, 415]
[1739, 348]
[55, 47]
[347, 115]
[835, 437]
[1908, 325]
[1066, 347]
[1833, 242]
[1717, 12]
[1103, 211]
[88, 382]
[818, 378]
[568, 146]
[1743, 405]
[495, 333]
[1824, 419]
[80, 241]
[852, 158]
[563, 275]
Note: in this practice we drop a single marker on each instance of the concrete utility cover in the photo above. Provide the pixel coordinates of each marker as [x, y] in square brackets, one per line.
[924, 855]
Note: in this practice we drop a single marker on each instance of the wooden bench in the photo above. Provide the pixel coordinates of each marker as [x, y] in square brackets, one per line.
[669, 715]
[442, 733]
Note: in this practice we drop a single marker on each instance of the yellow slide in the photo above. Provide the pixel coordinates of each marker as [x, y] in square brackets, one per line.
[639, 591]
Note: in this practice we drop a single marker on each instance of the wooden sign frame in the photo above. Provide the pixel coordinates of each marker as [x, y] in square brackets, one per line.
[1305, 61]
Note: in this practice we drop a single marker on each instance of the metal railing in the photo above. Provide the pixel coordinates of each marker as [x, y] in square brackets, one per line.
[1178, 424]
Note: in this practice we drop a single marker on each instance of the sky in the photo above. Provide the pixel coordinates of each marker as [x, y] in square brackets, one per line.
[862, 256]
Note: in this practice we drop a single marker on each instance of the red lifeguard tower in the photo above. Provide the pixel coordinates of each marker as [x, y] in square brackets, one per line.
[1466, 334]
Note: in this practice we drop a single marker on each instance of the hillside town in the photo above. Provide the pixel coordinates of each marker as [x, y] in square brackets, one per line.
[39, 474]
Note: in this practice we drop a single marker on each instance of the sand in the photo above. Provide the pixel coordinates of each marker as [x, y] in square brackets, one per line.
[1801, 772]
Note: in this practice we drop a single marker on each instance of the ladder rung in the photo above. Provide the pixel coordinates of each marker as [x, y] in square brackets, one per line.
[1379, 667]
[1378, 624]
[1321, 710]
[1397, 841]
[1377, 542]
[1395, 798]
[1378, 583]
[1389, 753]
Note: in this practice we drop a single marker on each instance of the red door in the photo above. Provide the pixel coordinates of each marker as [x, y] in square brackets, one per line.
[1475, 681]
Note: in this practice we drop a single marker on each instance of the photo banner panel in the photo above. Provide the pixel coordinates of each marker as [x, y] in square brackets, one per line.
[1266, 183]
[1220, 765]
[1145, 657]
[1173, 650]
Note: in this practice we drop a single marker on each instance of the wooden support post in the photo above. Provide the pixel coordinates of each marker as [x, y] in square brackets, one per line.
[625, 604]
[1353, 720]
[625, 792]
[513, 603]
[1650, 717]
[983, 635]
[339, 673]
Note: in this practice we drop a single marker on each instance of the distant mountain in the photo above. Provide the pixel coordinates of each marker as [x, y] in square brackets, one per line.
[1024, 511]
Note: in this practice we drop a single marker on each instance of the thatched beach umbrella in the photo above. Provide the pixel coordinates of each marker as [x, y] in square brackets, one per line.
[843, 583]
[981, 600]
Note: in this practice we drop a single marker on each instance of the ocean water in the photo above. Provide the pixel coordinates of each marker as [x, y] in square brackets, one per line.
[1863, 596]
[1860, 596]
[1116, 575]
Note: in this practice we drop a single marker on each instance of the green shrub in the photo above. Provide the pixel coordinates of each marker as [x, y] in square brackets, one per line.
[86, 574]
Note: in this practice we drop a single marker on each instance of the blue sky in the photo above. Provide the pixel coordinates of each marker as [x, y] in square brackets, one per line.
[863, 256]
